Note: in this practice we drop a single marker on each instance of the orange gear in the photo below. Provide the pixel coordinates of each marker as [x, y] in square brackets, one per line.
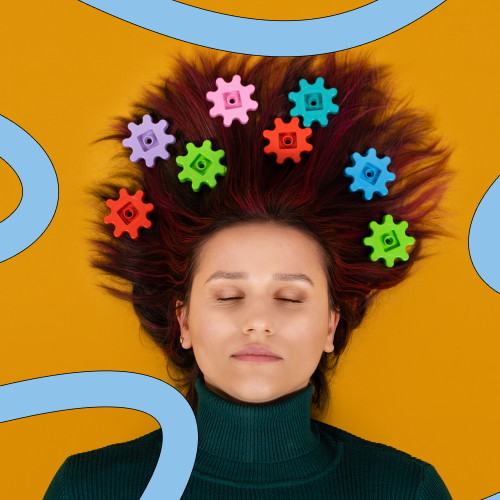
[128, 213]
[287, 140]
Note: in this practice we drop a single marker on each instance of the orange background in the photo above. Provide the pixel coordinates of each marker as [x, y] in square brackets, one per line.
[421, 374]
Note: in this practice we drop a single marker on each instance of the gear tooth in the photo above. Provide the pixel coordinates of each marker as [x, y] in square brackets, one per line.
[303, 83]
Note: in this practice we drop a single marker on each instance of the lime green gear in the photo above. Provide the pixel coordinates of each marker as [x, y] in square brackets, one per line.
[389, 240]
[201, 165]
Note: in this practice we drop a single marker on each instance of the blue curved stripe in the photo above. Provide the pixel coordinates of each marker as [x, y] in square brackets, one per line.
[484, 237]
[40, 189]
[115, 389]
[268, 38]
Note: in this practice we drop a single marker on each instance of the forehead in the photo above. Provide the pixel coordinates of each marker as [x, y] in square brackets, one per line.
[264, 247]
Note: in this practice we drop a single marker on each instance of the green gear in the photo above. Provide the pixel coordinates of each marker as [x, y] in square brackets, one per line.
[201, 165]
[389, 240]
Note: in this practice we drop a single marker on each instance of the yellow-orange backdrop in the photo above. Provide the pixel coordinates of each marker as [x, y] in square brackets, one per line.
[421, 374]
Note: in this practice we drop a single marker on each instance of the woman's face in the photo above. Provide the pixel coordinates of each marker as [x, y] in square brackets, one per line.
[259, 284]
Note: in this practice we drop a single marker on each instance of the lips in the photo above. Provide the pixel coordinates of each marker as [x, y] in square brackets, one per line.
[256, 350]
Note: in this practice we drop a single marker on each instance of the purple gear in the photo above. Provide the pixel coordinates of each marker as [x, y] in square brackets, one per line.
[149, 141]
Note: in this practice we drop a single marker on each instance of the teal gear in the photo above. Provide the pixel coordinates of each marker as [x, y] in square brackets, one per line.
[313, 103]
[201, 165]
[389, 240]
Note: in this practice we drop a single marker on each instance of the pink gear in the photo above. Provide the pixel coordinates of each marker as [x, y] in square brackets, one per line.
[232, 100]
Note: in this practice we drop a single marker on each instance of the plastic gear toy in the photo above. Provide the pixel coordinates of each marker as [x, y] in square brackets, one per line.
[369, 174]
[201, 165]
[287, 140]
[388, 240]
[313, 103]
[128, 213]
[232, 100]
[149, 141]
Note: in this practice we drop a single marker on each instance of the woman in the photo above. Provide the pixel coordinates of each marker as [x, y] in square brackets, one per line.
[253, 288]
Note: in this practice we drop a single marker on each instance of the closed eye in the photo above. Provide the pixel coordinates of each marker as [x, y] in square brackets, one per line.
[237, 298]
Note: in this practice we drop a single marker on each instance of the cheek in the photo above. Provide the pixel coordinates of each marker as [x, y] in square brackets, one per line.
[210, 328]
[306, 335]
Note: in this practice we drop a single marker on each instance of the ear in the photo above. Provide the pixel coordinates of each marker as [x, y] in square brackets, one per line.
[181, 314]
[332, 326]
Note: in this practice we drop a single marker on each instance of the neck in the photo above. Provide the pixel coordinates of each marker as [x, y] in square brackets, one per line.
[258, 433]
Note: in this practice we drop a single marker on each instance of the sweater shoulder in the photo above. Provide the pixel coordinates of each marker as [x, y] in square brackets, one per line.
[138, 445]
[358, 445]
[112, 469]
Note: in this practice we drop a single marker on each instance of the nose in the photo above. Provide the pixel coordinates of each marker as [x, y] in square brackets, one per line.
[257, 318]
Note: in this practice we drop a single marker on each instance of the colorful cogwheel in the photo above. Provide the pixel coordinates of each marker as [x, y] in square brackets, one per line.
[287, 140]
[201, 165]
[388, 240]
[232, 100]
[313, 103]
[369, 174]
[128, 213]
[149, 141]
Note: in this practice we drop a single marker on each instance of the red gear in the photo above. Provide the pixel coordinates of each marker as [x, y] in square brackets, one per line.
[287, 140]
[128, 213]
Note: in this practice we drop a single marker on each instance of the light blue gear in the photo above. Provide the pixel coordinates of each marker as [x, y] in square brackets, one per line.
[369, 174]
[313, 103]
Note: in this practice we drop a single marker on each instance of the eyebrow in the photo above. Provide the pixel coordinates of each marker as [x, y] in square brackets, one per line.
[225, 275]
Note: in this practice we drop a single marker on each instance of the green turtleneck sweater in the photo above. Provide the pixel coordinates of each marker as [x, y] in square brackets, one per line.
[270, 451]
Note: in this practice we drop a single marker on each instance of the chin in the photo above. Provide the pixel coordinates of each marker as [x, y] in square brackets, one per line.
[255, 391]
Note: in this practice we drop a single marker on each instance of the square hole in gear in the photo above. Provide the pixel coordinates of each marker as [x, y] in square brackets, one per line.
[288, 140]
[370, 173]
[128, 213]
[389, 241]
[201, 164]
[314, 101]
[148, 140]
[231, 99]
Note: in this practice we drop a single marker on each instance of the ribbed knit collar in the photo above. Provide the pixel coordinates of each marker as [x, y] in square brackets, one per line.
[267, 433]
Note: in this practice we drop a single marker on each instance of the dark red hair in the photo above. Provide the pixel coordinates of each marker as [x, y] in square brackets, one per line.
[312, 195]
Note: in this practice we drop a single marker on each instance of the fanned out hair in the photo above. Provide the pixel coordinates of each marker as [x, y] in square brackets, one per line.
[312, 196]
